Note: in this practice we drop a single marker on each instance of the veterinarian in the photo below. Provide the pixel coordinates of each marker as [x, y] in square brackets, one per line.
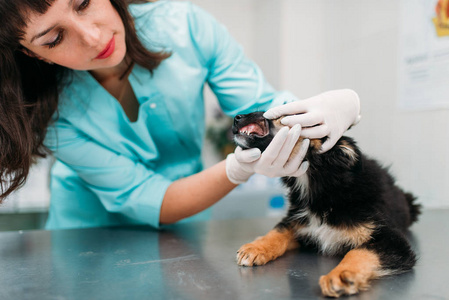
[115, 92]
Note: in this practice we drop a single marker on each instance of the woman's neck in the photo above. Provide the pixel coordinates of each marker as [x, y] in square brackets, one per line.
[119, 72]
[115, 81]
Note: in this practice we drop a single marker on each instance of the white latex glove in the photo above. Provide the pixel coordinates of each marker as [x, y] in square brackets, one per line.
[273, 162]
[328, 114]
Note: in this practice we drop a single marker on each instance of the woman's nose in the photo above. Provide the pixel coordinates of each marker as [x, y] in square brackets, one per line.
[90, 34]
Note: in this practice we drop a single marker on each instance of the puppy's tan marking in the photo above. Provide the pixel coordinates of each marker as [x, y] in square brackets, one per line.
[359, 235]
[316, 144]
[277, 123]
[330, 239]
[297, 147]
[352, 274]
[267, 248]
[348, 150]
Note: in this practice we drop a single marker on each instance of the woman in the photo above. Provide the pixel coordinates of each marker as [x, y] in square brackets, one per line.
[115, 92]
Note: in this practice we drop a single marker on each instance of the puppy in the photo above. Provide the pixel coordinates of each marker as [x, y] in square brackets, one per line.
[345, 204]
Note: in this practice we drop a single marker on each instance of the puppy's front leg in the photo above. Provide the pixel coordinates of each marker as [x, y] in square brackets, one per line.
[267, 247]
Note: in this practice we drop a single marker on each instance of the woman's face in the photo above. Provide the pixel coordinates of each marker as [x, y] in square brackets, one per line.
[77, 34]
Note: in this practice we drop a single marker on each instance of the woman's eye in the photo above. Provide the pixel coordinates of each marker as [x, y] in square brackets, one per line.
[56, 41]
[84, 5]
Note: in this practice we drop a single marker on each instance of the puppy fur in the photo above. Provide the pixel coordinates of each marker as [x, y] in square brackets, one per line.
[345, 204]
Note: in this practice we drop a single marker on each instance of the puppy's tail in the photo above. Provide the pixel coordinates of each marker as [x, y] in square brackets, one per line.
[415, 208]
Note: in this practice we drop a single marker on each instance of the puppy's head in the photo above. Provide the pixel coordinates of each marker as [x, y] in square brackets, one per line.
[254, 131]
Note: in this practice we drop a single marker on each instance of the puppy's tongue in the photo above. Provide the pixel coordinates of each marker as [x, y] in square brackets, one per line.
[252, 128]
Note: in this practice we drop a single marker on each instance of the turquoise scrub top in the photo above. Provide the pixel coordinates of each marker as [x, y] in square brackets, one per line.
[110, 171]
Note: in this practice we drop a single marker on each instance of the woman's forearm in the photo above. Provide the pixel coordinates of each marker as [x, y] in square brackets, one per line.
[190, 195]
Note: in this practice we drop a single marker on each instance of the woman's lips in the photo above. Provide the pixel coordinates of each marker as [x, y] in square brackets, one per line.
[107, 51]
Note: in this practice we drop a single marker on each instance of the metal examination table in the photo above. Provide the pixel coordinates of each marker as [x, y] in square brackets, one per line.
[196, 261]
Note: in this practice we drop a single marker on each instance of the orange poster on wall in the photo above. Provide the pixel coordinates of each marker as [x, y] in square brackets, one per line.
[423, 55]
[441, 20]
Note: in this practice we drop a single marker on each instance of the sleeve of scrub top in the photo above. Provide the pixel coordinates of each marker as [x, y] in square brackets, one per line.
[122, 185]
[237, 82]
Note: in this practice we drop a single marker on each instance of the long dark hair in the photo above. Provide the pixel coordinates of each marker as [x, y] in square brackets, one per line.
[29, 88]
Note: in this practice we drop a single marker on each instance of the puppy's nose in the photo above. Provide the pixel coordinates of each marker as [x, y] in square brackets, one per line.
[238, 118]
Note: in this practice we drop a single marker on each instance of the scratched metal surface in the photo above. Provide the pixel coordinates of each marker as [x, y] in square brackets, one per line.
[195, 261]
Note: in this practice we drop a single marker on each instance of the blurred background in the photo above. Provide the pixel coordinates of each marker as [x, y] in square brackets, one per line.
[390, 52]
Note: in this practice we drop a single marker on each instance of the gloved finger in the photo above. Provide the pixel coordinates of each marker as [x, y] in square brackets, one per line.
[292, 108]
[271, 153]
[289, 145]
[316, 132]
[301, 170]
[305, 120]
[328, 144]
[246, 156]
[295, 160]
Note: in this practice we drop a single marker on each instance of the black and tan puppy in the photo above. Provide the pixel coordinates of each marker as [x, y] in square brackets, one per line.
[345, 204]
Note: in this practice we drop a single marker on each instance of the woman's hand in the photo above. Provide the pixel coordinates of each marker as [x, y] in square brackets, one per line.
[275, 161]
[329, 114]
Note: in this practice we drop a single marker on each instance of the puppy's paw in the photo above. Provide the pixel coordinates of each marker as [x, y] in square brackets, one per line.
[336, 283]
[253, 254]
[266, 248]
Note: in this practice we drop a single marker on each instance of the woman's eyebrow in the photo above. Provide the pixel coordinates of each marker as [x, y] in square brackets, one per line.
[69, 4]
[42, 33]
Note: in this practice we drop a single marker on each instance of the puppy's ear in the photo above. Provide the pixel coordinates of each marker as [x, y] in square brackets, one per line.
[344, 154]
[349, 150]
